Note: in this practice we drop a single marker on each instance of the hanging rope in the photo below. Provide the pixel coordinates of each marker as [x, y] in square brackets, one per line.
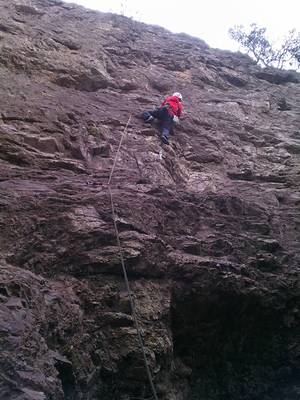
[132, 305]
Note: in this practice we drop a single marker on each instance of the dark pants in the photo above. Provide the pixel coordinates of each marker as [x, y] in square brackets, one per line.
[165, 119]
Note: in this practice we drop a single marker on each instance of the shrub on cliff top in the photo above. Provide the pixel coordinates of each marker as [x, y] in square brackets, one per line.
[255, 42]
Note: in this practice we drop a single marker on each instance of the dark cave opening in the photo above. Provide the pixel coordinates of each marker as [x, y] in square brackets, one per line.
[236, 346]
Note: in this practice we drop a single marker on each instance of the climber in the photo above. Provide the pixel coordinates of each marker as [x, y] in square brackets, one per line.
[167, 114]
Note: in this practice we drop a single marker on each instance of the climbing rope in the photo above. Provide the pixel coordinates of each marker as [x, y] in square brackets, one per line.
[132, 305]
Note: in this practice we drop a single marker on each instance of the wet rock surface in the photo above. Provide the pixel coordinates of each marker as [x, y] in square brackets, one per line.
[209, 225]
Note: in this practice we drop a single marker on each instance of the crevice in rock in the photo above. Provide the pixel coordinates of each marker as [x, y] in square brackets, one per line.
[66, 376]
[7, 118]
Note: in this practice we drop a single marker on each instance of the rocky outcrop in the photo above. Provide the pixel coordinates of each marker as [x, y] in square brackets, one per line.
[209, 225]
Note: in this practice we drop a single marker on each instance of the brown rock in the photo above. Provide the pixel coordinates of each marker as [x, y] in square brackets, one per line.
[209, 225]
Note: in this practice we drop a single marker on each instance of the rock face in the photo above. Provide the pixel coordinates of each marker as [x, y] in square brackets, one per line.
[209, 225]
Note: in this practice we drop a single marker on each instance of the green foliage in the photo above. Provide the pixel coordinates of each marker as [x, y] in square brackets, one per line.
[255, 42]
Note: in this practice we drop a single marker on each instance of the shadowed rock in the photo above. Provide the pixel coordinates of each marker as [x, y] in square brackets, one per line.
[209, 225]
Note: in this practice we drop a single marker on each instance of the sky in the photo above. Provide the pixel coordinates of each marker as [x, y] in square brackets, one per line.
[207, 19]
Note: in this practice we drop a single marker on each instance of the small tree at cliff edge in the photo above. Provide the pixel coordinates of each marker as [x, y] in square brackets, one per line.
[254, 41]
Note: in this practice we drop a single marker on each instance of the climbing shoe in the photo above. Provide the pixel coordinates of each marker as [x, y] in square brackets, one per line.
[149, 119]
[164, 139]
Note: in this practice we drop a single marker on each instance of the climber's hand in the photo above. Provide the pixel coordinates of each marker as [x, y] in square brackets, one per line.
[176, 120]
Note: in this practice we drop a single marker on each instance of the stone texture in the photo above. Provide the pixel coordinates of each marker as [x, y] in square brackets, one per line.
[209, 225]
